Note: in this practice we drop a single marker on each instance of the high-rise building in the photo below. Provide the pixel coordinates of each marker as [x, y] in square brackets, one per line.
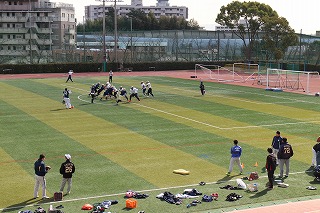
[31, 29]
[162, 8]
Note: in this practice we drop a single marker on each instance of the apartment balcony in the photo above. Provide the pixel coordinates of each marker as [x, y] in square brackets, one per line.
[40, 19]
[15, 19]
[13, 30]
[17, 42]
[70, 31]
[36, 29]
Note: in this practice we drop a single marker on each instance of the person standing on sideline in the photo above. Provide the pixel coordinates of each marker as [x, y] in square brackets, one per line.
[202, 89]
[143, 87]
[236, 152]
[134, 93]
[110, 76]
[40, 170]
[284, 155]
[67, 169]
[275, 144]
[316, 154]
[270, 167]
[148, 85]
[70, 75]
[66, 98]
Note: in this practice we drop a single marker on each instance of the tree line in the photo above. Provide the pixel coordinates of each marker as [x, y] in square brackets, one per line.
[137, 20]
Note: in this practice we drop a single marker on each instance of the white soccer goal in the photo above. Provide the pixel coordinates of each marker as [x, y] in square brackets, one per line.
[290, 79]
[216, 72]
[249, 72]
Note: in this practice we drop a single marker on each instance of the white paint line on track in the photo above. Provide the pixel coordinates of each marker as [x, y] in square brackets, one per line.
[141, 191]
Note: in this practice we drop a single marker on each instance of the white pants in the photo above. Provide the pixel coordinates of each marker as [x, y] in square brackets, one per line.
[283, 162]
[40, 180]
[275, 153]
[63, 183]
[237, 161]
[314, 158]
[67, 102]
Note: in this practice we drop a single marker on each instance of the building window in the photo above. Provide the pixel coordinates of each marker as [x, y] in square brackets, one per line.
[63, 15]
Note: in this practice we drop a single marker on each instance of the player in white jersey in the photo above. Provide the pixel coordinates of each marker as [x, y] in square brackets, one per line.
[143, 88]
[134, 93]
[148, 85]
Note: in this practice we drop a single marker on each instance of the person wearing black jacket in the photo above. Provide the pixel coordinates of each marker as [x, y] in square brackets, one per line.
[67, 169]
[270, 167]
[202, 89]
[284, 155]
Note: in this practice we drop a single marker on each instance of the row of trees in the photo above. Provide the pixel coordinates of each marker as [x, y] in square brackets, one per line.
[247, 19]
[250, 18]
[139, 21]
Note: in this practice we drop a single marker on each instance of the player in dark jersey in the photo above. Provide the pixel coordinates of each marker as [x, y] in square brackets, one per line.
[123, 93]
[270, 167]
[284, 155]
[202, 89]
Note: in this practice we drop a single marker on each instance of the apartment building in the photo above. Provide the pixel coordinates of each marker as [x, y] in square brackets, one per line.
[31, 29]
[162, 8]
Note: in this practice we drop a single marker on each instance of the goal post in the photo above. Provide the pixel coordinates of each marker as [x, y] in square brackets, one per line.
[291, 79]
[218, 73]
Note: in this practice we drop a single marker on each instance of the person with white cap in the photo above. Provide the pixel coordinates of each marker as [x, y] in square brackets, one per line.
[67, 169]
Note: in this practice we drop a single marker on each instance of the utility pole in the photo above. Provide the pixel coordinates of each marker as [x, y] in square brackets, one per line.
[115, 29]
[30, 33]
[84, 41]
[131, 48]
[104, 36]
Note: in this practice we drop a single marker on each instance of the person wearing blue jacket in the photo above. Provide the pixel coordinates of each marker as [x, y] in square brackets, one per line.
[40, 170]
[236, 152]
[275, 145]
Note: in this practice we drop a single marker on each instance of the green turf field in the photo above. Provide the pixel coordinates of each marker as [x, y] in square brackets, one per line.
[137, 145]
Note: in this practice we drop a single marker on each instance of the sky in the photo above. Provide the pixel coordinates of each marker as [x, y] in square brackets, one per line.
[303, 16]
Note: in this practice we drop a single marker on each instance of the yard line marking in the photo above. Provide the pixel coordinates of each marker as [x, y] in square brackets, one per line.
[272, 96]
[140, 191]
[206, 124]
[226, 128]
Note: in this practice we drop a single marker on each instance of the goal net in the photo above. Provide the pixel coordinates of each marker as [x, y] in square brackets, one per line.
[291, 79]
[249, 72]
[216, 72]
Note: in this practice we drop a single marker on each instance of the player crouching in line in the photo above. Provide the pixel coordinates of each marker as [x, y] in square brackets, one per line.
[123, 93]
[148, 85]
[134, 93]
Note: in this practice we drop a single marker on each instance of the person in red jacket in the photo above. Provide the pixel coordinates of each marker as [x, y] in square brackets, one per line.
[270, 167]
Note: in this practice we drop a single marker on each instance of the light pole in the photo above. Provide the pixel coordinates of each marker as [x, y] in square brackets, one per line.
[84, 41]
[131, 48]
[30, 33]
[104, 36]
[115, 29]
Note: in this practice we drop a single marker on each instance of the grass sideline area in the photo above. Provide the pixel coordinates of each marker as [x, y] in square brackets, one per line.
[137, 145]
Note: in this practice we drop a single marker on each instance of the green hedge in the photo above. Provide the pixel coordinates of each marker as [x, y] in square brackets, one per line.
[98, 67]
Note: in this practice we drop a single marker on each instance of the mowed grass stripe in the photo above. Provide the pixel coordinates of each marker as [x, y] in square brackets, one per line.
[12, 182]
[217, 124]
[125, 150]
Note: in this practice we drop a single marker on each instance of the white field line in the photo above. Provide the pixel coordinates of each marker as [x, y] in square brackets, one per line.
[264, 95]
[225, 128]
[203, 123]
[142, 191]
